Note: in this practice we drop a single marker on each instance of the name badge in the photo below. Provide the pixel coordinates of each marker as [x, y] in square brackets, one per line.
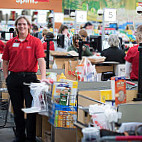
[15, 45]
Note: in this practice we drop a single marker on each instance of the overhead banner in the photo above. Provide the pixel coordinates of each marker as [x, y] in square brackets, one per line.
[55, 5]
[30, 1]
[42, 0]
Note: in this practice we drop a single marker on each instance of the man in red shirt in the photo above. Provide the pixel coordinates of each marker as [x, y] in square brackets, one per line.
[21, 57]
[132, 62]
[132, 57]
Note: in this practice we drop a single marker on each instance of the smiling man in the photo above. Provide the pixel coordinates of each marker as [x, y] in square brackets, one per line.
[21, 57]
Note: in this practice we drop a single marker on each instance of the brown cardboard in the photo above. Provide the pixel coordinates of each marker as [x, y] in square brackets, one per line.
[83, 117]
[101, 69]
[65, 135]
[97, 60]
[70, 67]
[46, 126]
[47, 136]
[42, 126]
[60, 62]
[38, 125]
[58, 53]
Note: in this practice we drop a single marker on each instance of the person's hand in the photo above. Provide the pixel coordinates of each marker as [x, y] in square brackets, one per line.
[83, 48]
[48, 81]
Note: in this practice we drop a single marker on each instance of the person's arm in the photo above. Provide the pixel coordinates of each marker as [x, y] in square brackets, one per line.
[86, 50]
[69, 49]
[5, 68]
[42, 67]
[128, 68]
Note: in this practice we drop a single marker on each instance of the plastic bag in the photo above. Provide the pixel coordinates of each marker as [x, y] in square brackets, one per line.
[38, 92]
[86, 71]
[100, 121]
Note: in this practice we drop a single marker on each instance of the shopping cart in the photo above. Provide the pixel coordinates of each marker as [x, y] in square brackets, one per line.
[6, 118]
[121, 138]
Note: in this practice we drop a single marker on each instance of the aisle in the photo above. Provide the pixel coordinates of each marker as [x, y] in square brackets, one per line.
[6, 135]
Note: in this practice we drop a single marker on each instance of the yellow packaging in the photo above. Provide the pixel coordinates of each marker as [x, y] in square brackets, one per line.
[61, 119]
[105, 95]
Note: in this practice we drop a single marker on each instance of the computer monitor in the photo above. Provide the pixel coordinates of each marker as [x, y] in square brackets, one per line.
[96, 43]
[7, 35]
[60, 40]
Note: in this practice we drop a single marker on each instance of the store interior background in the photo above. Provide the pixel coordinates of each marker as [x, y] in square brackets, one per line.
[127, 19]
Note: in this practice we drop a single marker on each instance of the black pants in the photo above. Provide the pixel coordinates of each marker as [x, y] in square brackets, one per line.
[18, 93]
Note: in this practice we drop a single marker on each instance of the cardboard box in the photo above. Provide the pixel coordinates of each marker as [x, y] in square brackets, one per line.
[60, 61]
[42, 126]
[118, 85]
[65, 135]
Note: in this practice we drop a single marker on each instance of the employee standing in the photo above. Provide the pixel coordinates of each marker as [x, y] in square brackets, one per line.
[132, 57]
[21, 57]
[64, 30]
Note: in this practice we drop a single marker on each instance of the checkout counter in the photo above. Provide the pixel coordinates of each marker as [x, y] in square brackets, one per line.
[88, 93]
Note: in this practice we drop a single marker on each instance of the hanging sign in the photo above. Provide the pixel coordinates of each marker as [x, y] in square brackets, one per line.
[42, 18]
[110, 15]
[81, 16]
[58, 17]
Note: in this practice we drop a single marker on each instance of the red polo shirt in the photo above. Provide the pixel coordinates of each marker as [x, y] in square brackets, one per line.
[51, 47]
[132, 56]
[2, 45]
[23, 55]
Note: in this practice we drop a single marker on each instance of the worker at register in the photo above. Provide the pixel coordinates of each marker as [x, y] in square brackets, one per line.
[21, 57]
[113, 53]
[64, 30]
[51, 43]
[132, 57]
[75, 47]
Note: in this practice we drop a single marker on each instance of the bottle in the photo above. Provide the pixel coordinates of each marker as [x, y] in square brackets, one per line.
[62, 76]
[54, 65]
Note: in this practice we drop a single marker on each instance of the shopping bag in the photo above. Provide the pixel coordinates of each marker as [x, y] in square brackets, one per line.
[85, 71]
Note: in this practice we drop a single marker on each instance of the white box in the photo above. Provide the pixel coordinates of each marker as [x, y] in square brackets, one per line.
[120, 70]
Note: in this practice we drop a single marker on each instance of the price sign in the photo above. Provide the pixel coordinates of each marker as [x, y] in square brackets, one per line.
[59, 17]
[110, 15]
[42, 16]
[81, 16]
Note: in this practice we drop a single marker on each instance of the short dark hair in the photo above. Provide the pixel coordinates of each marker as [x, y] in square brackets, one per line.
[87, 24]
[35, 27]
[49, 34]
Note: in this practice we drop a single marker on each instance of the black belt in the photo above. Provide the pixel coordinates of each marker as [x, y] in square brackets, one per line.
[22, 73]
